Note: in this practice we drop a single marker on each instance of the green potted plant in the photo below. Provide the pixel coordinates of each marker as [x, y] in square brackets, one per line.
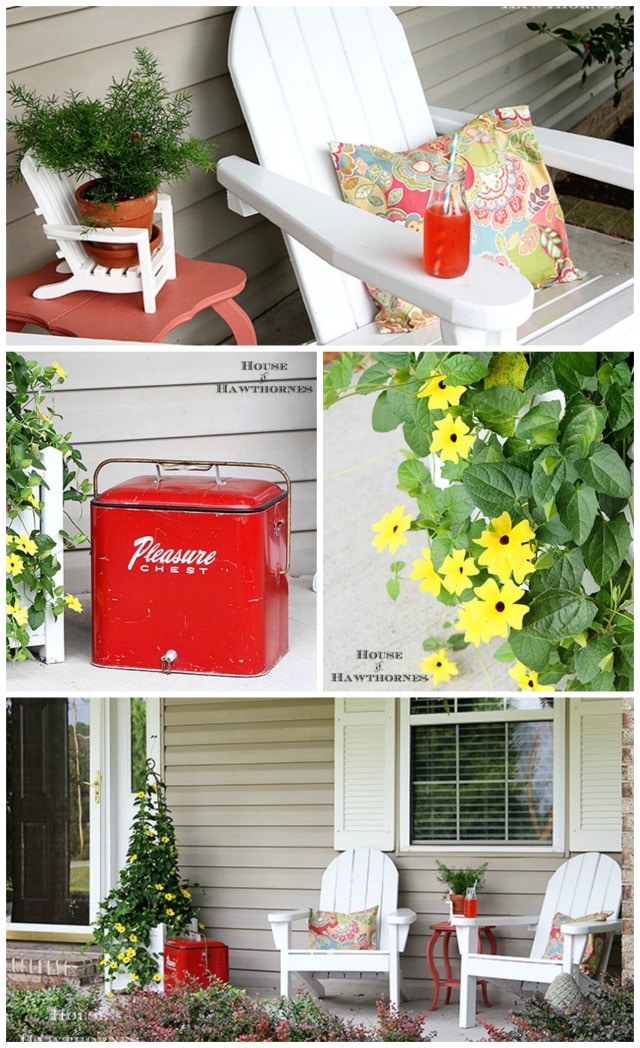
[516, 490]
[151, 901]
[32, 557]
[458, 880]
[127, 144]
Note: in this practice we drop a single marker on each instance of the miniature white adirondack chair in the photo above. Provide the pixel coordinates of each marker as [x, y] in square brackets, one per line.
[306, 76]
[54, 195]
[585, 884]
[356, 880]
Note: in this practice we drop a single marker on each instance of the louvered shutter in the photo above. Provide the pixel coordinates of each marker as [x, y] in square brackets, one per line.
[365, 773]
[595, 767]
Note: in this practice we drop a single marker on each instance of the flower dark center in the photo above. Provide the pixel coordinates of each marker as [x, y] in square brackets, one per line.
[438, 665]
[499, 606]
[453, 437]
[460, 570]
[529, 683]
[395, 527]
[504, 540]
[442, 384]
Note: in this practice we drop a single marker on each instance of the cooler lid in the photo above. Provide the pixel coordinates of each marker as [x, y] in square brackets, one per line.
[206, 494]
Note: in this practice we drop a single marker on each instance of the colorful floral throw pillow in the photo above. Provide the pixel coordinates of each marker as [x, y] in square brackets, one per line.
[595, 944]
[343, 931]
[516, 219]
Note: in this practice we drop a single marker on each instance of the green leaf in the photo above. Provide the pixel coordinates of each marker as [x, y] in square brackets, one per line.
[496, 487]
[605, 471]
[461, 369]
[393, 360]
[371, 379]
[427, 363]
[606, 547]
[577, 508]
[588, 659]
[457, 504]
[412, 474]
[582, 424]
[541, 376]
[393, 588]
[559, 613]
[418, 439]
[504, 653]
[383, 418]
[497, 407]
[619, 403]
[532, 651]
[553, 533]
[440, 548]
[540, 424]
[550, 470]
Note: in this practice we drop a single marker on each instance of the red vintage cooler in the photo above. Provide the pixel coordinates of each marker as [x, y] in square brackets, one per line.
[197, 959]
[189, 572]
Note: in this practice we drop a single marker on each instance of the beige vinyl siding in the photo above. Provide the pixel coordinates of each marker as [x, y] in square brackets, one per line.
[469, 57]
[250, 784]
[170, 405]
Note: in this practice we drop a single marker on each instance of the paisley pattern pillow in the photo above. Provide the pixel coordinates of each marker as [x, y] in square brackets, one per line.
[343, 931]
[516, 219]
[595, 943]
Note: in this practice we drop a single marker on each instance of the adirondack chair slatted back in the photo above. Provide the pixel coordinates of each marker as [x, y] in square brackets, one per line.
[587, 883]
[55, 195]
[357, 880]
[306, 76]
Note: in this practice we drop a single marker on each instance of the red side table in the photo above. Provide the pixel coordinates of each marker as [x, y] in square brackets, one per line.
[100, 315]
[446, 930]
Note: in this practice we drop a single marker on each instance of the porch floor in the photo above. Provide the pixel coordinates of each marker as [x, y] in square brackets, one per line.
[295, 673]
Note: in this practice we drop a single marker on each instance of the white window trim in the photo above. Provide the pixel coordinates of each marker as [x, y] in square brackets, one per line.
[558, 844]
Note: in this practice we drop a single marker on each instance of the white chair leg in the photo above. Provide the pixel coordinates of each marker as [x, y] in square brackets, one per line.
[459, 335]
[468, 985]
[394, 984]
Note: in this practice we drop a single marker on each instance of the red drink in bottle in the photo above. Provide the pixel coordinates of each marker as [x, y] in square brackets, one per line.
[447, 224]
[471, 907]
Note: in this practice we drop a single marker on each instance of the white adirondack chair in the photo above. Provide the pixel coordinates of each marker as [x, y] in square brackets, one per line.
[585, 884]
[356, 880]
[54, 195]
[305, 76]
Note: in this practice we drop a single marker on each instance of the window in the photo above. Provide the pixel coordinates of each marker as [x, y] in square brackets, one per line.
[483, 771]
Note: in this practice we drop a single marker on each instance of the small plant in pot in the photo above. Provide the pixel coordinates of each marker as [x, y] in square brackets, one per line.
[458, 880]
[127, 144]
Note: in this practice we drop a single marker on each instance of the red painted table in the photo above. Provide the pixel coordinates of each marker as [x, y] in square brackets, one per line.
[446, 930]
[100, 315]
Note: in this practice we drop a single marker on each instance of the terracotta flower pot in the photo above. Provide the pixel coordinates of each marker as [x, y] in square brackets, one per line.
[137, 213]
[457, 904]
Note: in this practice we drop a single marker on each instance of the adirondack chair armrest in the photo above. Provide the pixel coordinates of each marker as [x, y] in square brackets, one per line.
[287, 917]
[401, 917]
[591, 927]
[281, 924]
[132, 235]
[597, 158]
[488, 298]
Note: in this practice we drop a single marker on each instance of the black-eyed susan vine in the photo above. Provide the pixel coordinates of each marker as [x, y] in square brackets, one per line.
[517, 478]
[31, 563]
[150, 891]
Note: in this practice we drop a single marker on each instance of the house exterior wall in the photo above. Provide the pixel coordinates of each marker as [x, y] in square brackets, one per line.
[627, 839]
[468, 58]
[172, 405]
[251, 787]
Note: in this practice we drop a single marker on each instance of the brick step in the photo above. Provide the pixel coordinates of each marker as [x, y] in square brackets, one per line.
[36, 965]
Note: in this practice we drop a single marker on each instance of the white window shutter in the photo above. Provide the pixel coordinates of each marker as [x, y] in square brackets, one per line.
[365, 773]
[595, 764]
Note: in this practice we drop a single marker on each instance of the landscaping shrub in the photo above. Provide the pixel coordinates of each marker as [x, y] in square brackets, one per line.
[56, 1013]
[606, 1015]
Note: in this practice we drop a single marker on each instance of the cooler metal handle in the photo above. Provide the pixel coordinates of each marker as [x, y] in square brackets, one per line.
[202, 467]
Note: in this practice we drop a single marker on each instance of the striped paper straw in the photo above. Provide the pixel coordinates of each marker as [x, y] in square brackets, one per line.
[452, 160]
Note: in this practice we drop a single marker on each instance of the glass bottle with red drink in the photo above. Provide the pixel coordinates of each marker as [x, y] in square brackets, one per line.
[447, 224]
[471, 902]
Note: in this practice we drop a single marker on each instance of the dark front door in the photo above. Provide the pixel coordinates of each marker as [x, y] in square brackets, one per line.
[39, 798]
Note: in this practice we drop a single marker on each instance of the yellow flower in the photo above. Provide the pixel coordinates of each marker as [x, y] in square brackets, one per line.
[151, 833]
[141, 793]
[527, 679]
[113, 965]
[507, 548]
[26, 545]
[186, 894]
[10, 539]
[133, 937]
[425, 571]
[456, 571]
[165, 839]
[33, 500]
[169, 896]
[491, 612]
[133, 977]
[120, 928]
[157, 977]
[391, 527]
[450, 440]
[122, 956]
[440, 394]
[160, 887]
[440, 666]
[109, 993]
[133, 858]
[170, 913]
[14, 564]
[19, 614]
[73, 603]
[59, 370]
